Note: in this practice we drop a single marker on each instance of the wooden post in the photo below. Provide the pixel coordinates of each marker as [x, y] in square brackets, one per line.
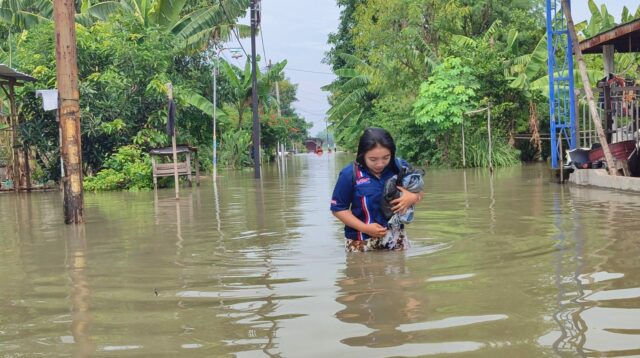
[14, 136]
[67, 76]
[561, 158]
[195, 158]
[27, 169]
[189, 179]
[490, 139]
[608, 57]
[587, 88]
[176, 180]
[464, 157]
[608, 112]
[153, 168]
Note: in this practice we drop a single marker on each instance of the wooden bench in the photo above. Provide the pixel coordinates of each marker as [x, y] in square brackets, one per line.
[167, 169]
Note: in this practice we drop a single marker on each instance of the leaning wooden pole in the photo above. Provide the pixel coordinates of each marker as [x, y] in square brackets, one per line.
[587, 88]
[69, 109]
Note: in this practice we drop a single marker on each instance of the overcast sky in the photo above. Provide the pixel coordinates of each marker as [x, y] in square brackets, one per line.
[297, 30]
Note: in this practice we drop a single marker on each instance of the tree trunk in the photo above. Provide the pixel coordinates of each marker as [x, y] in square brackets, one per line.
[445, 153]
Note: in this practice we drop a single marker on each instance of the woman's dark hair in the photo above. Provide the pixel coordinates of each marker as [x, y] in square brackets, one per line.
[373, 137]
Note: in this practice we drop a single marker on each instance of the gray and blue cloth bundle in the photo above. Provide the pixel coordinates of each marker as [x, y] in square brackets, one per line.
[411, 180]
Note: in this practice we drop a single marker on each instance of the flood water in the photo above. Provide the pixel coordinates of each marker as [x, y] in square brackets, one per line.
[509, 266]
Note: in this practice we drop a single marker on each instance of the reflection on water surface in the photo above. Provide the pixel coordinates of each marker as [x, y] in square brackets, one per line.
[506, 266]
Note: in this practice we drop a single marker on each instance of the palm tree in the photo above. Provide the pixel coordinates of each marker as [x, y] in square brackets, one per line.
[240, 89]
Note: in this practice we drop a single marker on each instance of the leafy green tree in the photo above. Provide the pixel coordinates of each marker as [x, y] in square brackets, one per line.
[342, 41]
[120, 64]
[399, 43]
[443, 100]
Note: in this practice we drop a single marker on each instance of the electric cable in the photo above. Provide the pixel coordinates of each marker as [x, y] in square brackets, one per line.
[233, 29]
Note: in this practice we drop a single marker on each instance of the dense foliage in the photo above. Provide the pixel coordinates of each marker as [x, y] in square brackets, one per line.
[416, 67]
[126, 56]
[128, 168]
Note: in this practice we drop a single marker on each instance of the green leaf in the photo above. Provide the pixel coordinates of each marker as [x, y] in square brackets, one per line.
[104, 9]
[196, 100]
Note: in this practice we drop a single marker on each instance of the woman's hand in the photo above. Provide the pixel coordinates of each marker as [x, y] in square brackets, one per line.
[374, 230]
[404, 202]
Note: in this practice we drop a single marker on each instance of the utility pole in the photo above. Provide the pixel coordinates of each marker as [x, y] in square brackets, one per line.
[67, 76]
[215, 103]
[326, 130]
[279, 150]
[171, 118]
[279, 111]
[216, 70]
[254, 92]
[587, 88]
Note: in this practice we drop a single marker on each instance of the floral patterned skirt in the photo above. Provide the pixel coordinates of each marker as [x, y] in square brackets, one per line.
[394, 240]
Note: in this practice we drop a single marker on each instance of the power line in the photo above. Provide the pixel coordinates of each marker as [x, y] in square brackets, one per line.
[308, 71]
[264, 51]
[233, 28]
[309, 112]
[225, 57]
[322, 94]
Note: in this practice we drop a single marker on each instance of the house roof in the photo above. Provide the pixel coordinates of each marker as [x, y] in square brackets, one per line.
[9, 73]
[624, 38]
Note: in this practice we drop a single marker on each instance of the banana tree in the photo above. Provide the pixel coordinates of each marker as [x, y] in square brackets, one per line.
[350, 98]
[240, 90]
[240, 86]
[193, 30]
[239, 100]
[600, 21]
[235, 105]
[17, 16]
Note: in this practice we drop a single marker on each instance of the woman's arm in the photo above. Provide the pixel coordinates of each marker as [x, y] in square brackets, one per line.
[405, 201]
[347, 217]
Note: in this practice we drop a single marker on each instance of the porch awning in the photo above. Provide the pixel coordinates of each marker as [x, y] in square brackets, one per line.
[8, 73]
[625, 38]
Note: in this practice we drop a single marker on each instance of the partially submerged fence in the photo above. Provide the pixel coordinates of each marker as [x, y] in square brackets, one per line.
[621, 119]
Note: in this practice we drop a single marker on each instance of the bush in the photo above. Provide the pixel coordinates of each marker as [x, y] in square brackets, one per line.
[502, 154]
[236, 148]
[128, 168]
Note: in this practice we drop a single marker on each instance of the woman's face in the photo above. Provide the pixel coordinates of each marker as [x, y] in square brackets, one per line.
[377, 159]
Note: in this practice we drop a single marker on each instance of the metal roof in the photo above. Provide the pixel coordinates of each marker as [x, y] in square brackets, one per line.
[169, 150]
[624, 38]
[9, 73]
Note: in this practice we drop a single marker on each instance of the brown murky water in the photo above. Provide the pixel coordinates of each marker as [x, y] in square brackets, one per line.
[512, 266]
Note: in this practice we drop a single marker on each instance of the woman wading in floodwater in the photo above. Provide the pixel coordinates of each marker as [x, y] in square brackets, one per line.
[358, 201]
